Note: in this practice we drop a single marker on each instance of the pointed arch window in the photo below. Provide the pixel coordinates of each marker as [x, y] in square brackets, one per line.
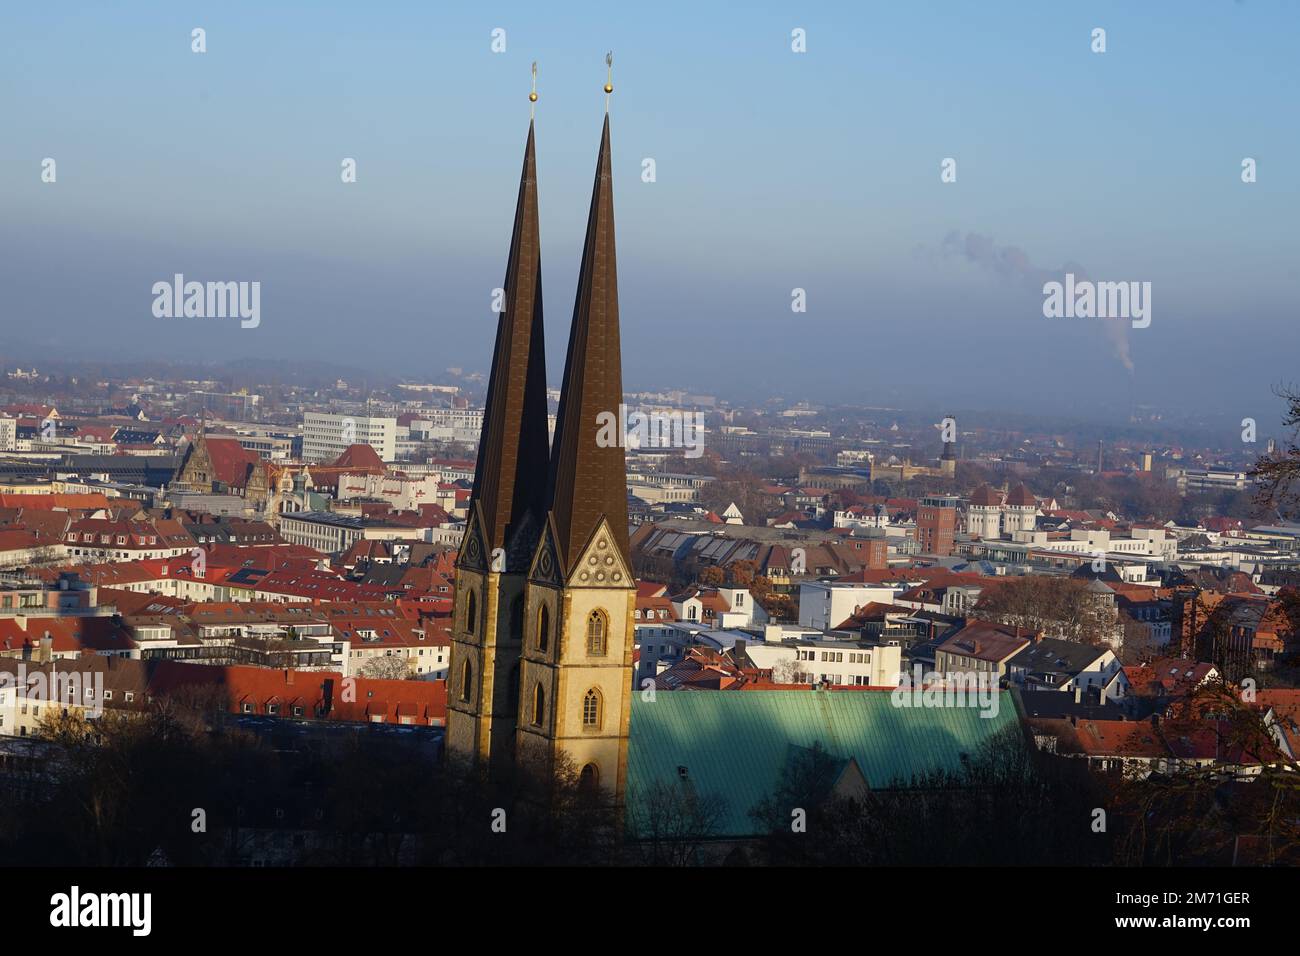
[589, 779]
[593, 706]
[597, 627]
[471, 612]
[539, 705]
[466, 681]
[543, 627]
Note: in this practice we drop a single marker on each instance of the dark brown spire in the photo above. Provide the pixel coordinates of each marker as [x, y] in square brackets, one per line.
[513, 446]
[587, 481]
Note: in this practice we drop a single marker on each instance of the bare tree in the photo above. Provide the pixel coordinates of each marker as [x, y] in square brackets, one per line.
[1278, 475]
[1057, 607]
[669, 825]
[1196, 813]
[385, 668]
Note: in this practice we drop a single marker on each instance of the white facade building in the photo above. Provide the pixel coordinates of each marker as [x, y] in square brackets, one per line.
[824, 605]
[449, 424]
[404, 493]
[325, 437]
[846, 663]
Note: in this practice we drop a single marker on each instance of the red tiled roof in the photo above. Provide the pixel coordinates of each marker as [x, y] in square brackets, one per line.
[1124, 738]
[354, 699]
[231, 461]
[1020, 495]
[361, 457]
[987, 641]
[49, 502]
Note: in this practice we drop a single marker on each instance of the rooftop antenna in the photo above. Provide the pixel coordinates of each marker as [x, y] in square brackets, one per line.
[532, 97]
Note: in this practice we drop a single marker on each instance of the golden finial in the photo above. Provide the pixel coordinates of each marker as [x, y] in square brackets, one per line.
[609, 76]
[532, 97]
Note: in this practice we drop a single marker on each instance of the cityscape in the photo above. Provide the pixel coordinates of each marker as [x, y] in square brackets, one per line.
[679, 571]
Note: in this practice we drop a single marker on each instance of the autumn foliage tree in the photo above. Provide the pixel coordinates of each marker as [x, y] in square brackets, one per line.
[712, 576]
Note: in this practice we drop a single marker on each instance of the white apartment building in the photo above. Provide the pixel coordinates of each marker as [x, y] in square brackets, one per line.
[1209, 479]
[1141, 542]
[794, 655]
[846, 663]
[853, 457]
[448, 424]
[444, 471]
[325, 437]
[665, 487]
[327, 532]
[8, 433]
[825, 605]
[403, 492]
[332, 533]
[862, 516]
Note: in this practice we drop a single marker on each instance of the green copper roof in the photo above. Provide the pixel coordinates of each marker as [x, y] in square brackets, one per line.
[736, 743]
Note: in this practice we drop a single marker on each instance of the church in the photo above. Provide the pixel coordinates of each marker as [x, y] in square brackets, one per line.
[542, 634]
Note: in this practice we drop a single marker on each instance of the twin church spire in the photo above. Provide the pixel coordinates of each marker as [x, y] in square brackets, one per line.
[588, 478]
[543, 631]
[509, 498]
[520, 484]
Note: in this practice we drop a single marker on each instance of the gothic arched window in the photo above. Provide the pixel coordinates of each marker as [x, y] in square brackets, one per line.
[466, 679]
[592, 706]
[471, 612]
[597, 625]
[543, 627]
[539, 705]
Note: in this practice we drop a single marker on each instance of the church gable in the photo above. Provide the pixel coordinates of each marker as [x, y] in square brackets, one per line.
[473, 553]
[259, 483]
[600, 564]
[545, 568]
[196, 473]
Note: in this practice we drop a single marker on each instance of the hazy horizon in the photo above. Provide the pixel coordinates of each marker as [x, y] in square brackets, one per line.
[775, 170]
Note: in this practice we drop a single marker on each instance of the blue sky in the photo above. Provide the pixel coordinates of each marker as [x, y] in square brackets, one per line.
[775, 170]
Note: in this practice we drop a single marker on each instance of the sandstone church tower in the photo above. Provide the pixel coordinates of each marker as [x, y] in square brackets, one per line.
[506, 511]
[570, 644]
